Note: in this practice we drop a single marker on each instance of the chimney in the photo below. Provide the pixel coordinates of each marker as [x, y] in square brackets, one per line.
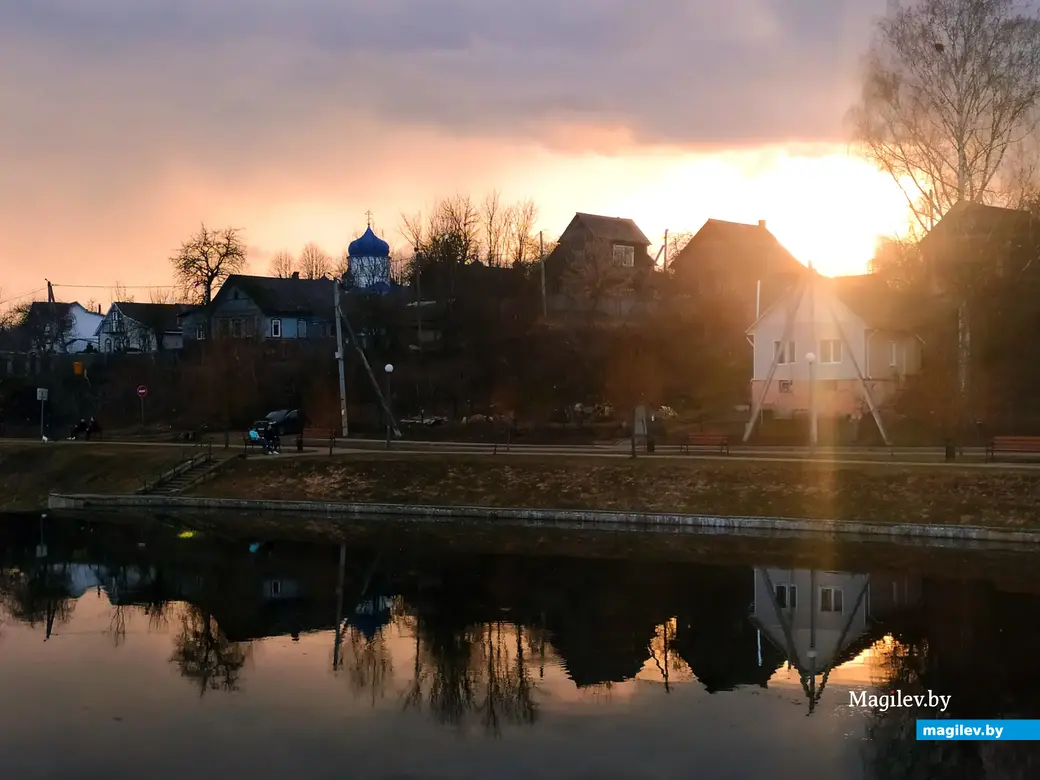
[295, 275]
[762, 224]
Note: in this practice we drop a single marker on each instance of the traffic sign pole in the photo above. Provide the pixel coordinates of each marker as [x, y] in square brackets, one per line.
[142, 393]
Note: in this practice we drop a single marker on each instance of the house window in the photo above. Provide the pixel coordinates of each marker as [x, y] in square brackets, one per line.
[831, 600]
[276, 329]
[301, 329]
[250, 327]
[225, 328]
[783, 356]
[786, 596]
[893, 353]
[108, 345]
[786, 386]
[200, 332]
[830, 351]
[236, 328]
[624, 256]
[276, 587]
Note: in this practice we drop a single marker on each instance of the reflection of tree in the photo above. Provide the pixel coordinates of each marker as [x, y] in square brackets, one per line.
[117, 624]
[371, 667]
[204, 654]
[39, 596]
[474, 670]
[663, 653]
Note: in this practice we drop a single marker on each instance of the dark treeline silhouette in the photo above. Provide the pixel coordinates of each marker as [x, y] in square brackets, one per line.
[486, 627]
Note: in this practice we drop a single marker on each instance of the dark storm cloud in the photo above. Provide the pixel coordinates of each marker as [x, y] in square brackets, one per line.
[195, 74]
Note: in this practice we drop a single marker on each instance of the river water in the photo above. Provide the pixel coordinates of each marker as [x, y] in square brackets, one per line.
[172, 648]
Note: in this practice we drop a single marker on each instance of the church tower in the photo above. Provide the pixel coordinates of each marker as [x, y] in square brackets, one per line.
[368, 262]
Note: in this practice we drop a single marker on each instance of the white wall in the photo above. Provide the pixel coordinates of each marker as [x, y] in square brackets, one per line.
[84, 328]
[813, 323]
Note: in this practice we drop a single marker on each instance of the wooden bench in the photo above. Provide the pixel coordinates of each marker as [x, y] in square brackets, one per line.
[323, 435]
[704, 440]
[1024, 445]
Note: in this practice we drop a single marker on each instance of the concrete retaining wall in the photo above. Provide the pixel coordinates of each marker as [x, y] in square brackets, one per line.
[575, 517]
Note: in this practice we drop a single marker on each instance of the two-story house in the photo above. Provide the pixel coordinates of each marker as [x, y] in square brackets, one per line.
[854, 333]
[742, 265]
[140, 327]
[599, 265]
[265, 308]
[61, 328]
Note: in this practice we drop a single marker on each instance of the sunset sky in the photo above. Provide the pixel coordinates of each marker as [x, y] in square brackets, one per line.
[126, 122]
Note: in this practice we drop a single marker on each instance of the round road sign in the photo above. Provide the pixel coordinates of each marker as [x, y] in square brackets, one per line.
[142, 391]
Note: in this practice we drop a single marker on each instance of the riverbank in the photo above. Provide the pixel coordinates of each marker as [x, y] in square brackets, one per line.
[30, 471]
[867, 493]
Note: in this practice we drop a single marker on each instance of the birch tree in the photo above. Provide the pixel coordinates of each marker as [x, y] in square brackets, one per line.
[314, 263]
[951, 88]
[282, 264]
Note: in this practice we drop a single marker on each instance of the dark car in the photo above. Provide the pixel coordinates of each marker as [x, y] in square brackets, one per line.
[286, 422]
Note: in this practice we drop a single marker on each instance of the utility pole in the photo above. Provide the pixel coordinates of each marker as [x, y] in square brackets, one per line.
[664, 266]
[541, 254]
[337, 303]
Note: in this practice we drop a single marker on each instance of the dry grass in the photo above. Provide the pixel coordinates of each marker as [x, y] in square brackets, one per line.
[874, 493]
[28, 472]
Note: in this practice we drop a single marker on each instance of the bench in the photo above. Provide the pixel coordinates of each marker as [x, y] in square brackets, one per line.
[1029, 445]
[323, 435]
[704, 440]
[247, 442]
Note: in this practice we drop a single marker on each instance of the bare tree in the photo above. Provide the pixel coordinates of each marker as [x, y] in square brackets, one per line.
[314, 263]
[676, 243]
[951, 86]
[342, 265]
[206, 259]
[495, 219]
[282, 264]
[49, 327]
[521, 240]
[121, 294]
[160, 295]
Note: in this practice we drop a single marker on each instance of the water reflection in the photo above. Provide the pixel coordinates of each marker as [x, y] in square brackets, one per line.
[488, 643]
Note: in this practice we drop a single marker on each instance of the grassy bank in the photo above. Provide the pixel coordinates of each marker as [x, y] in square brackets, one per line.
[871, 493]
[29, 471]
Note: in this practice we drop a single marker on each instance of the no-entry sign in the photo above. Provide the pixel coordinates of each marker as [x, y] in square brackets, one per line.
[142, 391]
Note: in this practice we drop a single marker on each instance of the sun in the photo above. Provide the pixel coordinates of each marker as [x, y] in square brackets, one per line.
[831, 210]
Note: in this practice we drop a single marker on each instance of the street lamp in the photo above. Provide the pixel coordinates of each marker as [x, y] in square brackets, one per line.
[389, 369]
[813, 427]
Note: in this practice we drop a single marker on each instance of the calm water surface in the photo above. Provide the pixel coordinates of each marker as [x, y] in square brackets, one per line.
[157, 650]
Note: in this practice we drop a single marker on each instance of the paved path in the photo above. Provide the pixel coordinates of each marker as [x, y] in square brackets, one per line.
[972, 457]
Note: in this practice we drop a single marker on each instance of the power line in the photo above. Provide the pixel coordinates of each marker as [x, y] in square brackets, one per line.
[23, 295]
[118, 286]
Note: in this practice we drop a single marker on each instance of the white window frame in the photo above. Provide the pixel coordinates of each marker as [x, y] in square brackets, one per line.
[200, 332]
[785, 386]
[786, 357]
[790, 598]
[276, 328]
[893, 354]
[832, 351]
[835, 596]
[624, 256]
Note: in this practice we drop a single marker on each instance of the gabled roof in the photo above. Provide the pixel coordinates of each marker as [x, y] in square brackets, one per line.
[745, 240]
[277, 296]
[158, 317]
[619, 229]
[867, 296]
[976, 219]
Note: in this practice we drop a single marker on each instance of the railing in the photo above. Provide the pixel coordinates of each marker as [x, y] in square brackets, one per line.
[187, 457]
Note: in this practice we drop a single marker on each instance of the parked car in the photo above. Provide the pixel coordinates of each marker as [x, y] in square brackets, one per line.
[287, 422]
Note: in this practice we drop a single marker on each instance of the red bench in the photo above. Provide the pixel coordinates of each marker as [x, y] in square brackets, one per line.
[714, 440]
[1019, 445]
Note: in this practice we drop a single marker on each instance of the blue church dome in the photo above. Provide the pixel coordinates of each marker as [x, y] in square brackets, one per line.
[369, 245]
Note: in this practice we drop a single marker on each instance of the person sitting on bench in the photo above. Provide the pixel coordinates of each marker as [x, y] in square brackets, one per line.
[92, 427]
[77, 429]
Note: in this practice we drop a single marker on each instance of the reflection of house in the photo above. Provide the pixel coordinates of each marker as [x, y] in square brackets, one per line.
[140, 327]
[714, 637]
[851, 327]
[822, 619]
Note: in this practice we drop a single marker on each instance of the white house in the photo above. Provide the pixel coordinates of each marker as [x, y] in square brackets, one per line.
[852, 331]
[62, 327]
[140, 327]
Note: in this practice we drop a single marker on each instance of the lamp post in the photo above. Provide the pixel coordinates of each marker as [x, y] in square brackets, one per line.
[389, 369]
[813, 427]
